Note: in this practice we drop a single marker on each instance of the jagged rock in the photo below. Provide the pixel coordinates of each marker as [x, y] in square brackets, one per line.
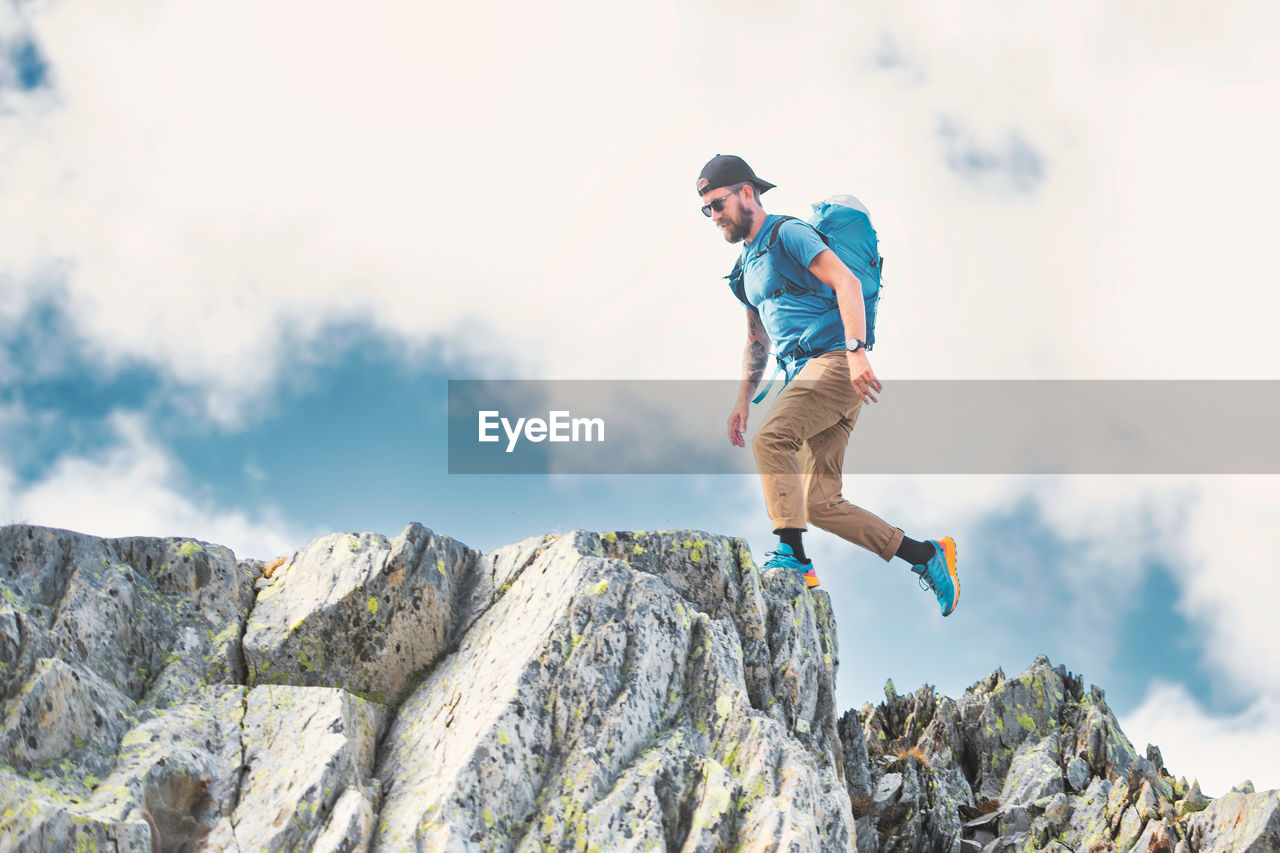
[1245, 787]
[857, 763]
[1155, 838]
[617, 701]
[1088, 824]
[568, 692]
[1099, 740]
[1241, 823]
[1129, 828]
[1078, 774]
[308, 758]
[1195, 801]
[998, 717]
[175, 772]
[1057, 812]
[1034, 772]
[98, 636]
[364, 613]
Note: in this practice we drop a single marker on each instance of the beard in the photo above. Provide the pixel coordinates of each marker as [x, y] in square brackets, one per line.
[738, 229]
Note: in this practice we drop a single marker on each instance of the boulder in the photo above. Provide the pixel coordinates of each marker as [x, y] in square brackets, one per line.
[1242, 823]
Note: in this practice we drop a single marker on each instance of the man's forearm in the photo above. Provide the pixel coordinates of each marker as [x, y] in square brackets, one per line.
[852, 310]
[755, 357]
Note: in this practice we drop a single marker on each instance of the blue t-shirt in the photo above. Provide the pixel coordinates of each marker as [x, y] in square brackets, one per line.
[788, 296]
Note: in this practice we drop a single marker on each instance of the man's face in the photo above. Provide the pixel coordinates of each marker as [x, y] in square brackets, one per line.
[733, 217]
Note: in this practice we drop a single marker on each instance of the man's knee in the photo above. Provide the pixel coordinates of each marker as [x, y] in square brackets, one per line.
[771, 440]
[818, 512]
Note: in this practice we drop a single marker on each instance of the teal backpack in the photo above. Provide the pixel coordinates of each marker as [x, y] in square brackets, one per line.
[845, 226]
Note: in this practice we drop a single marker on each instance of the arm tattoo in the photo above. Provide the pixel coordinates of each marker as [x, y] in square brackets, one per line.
[757, 355]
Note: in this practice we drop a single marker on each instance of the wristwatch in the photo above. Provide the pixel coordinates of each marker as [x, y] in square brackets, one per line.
[853, 345]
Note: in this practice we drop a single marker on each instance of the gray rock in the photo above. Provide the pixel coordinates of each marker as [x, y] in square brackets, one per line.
[1058, 812]
[1088, 824]
[1000, 715]
[1242, 823]
[154, 618]
[857, 764]
[612, 703]
[1195, 801]
[361, 612]
[1078, 774]
[308, 755]
[1034, 772]
[1099, 740]
[1130, 828]
[1155, 838]
[580, 691]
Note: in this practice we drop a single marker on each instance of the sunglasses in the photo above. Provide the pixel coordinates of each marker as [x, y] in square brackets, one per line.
[717, 205]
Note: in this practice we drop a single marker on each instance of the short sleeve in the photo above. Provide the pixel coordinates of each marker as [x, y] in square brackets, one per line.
[801, 242]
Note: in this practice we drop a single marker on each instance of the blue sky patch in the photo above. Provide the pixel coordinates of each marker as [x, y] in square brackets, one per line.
[1011, 163]
[30, 71]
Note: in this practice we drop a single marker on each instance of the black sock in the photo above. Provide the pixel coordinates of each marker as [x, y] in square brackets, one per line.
[915, 553]
[791, 536]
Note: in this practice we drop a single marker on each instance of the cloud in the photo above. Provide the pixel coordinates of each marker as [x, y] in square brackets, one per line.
[215, 218]
[136, 488]
[1012, 163]
[1220, 750]
[1230, 580]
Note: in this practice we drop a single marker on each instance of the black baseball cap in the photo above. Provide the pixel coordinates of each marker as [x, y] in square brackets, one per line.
[725, 169]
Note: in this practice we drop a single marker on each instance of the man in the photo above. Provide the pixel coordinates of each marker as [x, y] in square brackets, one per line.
[791, 280]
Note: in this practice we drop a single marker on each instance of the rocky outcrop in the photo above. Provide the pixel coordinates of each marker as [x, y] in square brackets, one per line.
[1034, 763]
[571, 692]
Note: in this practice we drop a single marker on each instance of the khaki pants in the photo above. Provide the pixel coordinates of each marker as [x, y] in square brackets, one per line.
[799, 451]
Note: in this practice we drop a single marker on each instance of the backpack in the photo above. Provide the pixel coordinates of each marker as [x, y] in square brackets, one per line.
[845, 226]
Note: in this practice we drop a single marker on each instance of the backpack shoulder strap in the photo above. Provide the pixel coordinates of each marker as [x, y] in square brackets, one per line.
[777, 226]
[737, 285]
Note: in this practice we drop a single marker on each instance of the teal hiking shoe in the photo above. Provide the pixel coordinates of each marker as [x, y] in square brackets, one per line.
[785, 558]
[939, 574]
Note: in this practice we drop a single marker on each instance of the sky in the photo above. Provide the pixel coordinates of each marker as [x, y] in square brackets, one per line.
[244, 247]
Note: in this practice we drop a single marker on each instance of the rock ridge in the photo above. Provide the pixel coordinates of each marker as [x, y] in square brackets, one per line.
[578, 691]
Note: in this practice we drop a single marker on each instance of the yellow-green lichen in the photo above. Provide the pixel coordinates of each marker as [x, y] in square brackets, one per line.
[600, 587]
[373, 607]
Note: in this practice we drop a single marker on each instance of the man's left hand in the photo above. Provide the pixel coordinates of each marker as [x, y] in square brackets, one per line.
[861, 376]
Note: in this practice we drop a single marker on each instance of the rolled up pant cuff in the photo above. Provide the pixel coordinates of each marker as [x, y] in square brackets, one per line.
[891, 550]
[780, 524]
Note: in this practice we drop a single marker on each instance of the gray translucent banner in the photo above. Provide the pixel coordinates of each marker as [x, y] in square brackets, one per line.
[918, 427]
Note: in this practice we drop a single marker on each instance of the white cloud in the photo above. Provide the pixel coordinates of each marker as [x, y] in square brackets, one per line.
[1231, 580]
[137, 488]
[1220, 750]
[227, 181]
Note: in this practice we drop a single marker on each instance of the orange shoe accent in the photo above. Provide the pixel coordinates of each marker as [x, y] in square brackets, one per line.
[811, 578]
[949, 554]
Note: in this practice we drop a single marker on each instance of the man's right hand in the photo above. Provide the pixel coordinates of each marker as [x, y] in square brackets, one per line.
[738, 422]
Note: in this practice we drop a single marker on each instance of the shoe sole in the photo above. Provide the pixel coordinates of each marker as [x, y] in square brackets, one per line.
[810, 580]
[949, 557]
